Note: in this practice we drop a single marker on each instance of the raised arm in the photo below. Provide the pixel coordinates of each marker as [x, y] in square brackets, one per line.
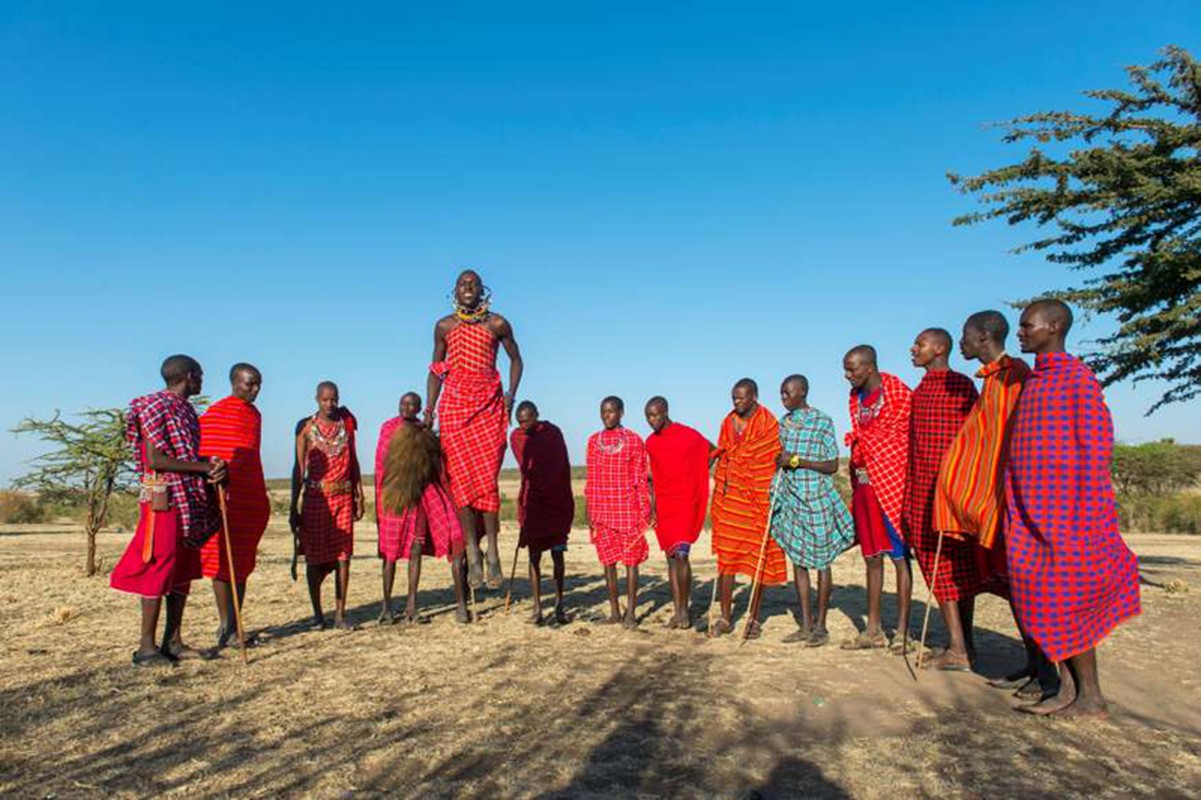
[504, 332]
[433, 384]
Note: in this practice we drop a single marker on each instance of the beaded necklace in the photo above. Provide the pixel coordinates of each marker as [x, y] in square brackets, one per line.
[332, 444]
[475, 315]
[611, 449]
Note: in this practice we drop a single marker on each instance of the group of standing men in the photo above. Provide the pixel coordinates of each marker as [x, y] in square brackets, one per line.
[1005, 490]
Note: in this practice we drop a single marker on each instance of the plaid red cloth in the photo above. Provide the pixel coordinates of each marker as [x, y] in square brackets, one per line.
[327, 526]
[471, 416]
[170, 423]
[618, 496]
[231, 429]
[434, 523]
[614, 547]
[879, 442]
[1073, 579]
[171, 568]
[939, 406]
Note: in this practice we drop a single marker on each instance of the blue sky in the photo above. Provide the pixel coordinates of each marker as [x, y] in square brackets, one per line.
[663, 199]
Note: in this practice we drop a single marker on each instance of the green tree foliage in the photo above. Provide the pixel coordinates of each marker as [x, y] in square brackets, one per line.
[1126, 201]
[1155, 468]
[89, 463]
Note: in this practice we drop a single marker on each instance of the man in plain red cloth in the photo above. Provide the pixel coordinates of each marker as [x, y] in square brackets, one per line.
[546, 504]
[175, 508]
[232, 430]
[679, 459]
[879, 442]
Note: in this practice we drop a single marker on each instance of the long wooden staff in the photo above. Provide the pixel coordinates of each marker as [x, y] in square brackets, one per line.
[512, 574]
[755, 587]
[921, 650]
[233, 578]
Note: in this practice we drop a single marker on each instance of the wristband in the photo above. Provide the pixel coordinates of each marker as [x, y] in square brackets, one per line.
[794, 462]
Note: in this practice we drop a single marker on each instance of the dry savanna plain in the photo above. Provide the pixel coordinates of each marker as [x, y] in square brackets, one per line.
[503, 709]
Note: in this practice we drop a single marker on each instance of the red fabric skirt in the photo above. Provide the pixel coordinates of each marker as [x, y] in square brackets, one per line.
[434, 523]
[875, 536]
[172, 565]
[613, 546]
[246, 526]
[327, 528]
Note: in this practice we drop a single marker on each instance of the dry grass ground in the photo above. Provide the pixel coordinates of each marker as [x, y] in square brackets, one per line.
[501, 709]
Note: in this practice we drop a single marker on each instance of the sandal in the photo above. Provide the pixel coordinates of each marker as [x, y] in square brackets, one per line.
[863, 641]
[946, 661]
[753, 630]
[719, 628]
[818, 638]
[155, 659]
[906, 646]
[801, 636]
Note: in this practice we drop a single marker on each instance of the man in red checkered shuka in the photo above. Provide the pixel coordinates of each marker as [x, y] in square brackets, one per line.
[473, 414]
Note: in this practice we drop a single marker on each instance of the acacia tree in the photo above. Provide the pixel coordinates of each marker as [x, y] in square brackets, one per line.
[1125, 200]
[89, 463]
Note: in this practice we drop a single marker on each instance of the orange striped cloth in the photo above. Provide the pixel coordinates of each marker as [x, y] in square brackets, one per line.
[969, 499]
[741, 497]
[231, 429]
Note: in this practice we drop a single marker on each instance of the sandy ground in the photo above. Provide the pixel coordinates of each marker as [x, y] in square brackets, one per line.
[502, 709]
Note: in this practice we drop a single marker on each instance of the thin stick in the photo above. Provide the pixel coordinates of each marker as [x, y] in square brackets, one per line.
[233, 578]
[512, 574]
[755, 587]
[713, 597]
[921, 650]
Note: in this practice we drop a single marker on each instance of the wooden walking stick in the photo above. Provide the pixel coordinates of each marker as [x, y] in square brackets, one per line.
[233, 578]
[921, 649]
[512, 574]
[755, 587]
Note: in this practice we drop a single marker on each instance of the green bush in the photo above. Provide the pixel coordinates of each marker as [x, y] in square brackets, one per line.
[1174, 513]
[19, 508]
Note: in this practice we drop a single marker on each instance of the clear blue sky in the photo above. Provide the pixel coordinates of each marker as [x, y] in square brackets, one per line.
[664, 197]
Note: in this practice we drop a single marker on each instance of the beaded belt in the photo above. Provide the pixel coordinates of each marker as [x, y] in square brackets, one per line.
[861, 477]
[330, 487]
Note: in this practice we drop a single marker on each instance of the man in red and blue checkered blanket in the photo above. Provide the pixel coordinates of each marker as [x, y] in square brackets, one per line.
[1072, 577]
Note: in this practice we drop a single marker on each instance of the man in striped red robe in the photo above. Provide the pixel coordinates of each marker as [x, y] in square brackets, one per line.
[232, 429]
[1072, 577]
[940, 404]
[747, 449]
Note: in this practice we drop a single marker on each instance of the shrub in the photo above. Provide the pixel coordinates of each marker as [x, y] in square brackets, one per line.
[1175, 513]
[19, 508]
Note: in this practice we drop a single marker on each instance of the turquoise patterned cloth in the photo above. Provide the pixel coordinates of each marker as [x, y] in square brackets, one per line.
[809, 520]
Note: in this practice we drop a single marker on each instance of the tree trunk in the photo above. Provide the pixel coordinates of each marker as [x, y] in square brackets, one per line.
[91, 568]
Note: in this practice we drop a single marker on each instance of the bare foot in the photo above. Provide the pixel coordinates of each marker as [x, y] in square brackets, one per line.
[719, 628]
[462, 616]
[317, 623]
[475, 571]
[496, 575]
[949, 661]
[614, 618]
[561, 617]
[672, 624]
[630, 620]
[535, 618]
[1082, 709]
[802, 635]
[1050, 705]
[343, 624]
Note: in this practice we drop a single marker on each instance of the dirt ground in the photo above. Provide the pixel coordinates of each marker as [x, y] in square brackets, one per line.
[502, 709]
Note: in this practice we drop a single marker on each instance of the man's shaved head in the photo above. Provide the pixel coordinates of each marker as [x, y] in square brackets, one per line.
[526, 405]
[469, 272]
[614, 400]
[1053, 311]
[797, 380]
[863, 351]
[241, 367]
[940, 335]
[748, 384]
[992, 323]
[659, 402]
[177, 368]
[327, 385]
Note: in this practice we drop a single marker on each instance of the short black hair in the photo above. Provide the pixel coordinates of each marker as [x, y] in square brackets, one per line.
[798, 379]
[408, 394]
[657, 400]
[242, 366]
[177, 367]
[327, 385]
[863, 351]
[526, 404]
[993, 323]
[621, 406]
[942, 334]
[748, 383]
[1054, 310]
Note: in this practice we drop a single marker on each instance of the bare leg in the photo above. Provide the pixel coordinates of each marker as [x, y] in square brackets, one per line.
[224, 595]
[904, 597]
[725, 591]
[458, 573]
[389, 579]
[825, 585]
[1060, 701]
[967, 618]
[631, 615]
[414, 580]
[611, 585]
[475, 558]
[802, 592]
[560, 573]
[674, 583]
[150, 612]
[951, 617]
[314, 575]
[684, 569]
[496, 573]
[1089, 702]
[173, 635]
[536, 585]
[875, 590]
[341, 587]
